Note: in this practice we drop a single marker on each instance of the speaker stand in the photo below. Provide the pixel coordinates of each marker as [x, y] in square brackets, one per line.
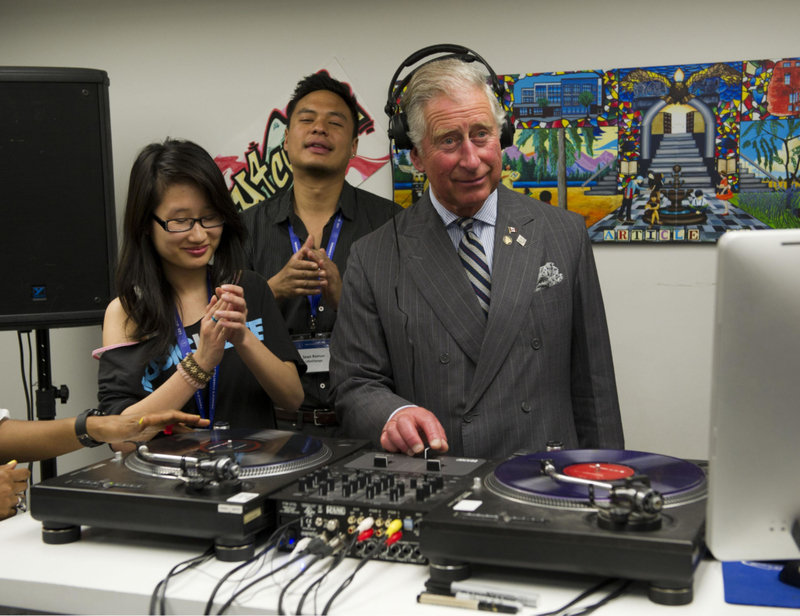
[46, 395]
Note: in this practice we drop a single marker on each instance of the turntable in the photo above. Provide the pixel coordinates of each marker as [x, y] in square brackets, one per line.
[613, 513]
[210, 484]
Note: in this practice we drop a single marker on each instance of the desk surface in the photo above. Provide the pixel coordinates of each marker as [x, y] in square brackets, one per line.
[115, 572]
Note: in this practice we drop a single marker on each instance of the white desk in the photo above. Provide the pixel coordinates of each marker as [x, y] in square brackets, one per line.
[113, 572]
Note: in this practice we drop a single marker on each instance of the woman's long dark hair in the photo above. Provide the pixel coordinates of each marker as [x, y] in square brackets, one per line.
[145, 294]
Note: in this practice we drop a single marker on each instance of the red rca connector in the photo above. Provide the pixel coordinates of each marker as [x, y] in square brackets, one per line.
[394, 538]
[366, 535]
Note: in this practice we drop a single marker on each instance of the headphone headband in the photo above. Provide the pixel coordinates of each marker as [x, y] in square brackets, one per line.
[398, 122]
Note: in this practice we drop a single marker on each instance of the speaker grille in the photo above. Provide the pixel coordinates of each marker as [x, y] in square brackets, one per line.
[57, 217]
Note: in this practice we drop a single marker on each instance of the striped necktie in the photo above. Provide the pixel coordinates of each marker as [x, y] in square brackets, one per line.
[473, 258]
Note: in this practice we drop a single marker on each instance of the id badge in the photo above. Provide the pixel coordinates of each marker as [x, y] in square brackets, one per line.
[315, 352]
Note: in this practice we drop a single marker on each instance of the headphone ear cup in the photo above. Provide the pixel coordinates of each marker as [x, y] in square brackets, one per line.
[398, 131]
[507, 134]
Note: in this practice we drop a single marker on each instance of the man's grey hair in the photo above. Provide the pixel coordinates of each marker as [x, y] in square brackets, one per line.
[450, 78]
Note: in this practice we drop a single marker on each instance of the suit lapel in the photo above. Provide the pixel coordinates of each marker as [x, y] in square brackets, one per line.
[514, 273]
[433, 264]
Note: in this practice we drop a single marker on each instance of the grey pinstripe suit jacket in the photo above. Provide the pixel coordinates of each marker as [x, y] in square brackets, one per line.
[410, 331]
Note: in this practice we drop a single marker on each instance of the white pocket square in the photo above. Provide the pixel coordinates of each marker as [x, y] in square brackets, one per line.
[549, 276]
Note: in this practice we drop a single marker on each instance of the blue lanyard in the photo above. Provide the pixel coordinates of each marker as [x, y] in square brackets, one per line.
[296, 245]
[185, 349]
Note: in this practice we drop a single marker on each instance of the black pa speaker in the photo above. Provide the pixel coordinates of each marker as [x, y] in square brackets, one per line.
[57, 216]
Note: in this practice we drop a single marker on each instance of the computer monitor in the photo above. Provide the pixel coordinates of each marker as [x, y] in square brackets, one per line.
[754, 466]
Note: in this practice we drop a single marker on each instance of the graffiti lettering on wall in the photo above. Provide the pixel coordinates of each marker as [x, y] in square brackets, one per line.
[679, 153]
[264, 169]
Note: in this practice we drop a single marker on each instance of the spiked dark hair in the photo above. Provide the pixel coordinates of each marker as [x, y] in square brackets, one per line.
[323, 81]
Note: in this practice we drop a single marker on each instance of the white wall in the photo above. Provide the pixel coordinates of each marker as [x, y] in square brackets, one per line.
[203, 70]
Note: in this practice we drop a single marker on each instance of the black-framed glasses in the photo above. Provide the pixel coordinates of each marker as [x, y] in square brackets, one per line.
[181, 225]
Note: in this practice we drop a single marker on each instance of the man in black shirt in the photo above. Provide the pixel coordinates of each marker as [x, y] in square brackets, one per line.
[300, 240]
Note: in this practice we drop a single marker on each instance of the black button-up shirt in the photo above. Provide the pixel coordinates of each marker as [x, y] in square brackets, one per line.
[268, 249]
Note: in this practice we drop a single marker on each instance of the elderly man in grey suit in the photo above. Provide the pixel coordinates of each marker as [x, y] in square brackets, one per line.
[474, 322]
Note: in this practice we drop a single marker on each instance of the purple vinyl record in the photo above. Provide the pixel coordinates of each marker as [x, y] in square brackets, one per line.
[669, 476]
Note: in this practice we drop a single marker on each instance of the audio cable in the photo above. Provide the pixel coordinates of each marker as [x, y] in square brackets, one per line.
[274, 540]
[364, 527]
[315, 545]
[159, 596]
[393, 535]
[330, 548]
[584, 611]
[27, 385]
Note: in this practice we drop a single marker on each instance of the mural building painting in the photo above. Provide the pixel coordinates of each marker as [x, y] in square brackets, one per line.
[678, 153]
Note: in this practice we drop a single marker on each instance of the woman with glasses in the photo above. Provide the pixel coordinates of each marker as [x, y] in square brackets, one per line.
[188, 330]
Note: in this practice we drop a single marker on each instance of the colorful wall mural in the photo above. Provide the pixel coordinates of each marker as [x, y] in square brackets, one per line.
[679, 153]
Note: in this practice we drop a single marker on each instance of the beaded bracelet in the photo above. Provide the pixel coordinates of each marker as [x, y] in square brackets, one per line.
[189, 379]
[194, 370]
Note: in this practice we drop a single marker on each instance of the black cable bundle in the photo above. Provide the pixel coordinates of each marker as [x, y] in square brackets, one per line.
[160, 598]
[318, 582]
[376, 549]
[303, 571]
[311, 548]
[591, 608]
[27, 384]
[274, 540]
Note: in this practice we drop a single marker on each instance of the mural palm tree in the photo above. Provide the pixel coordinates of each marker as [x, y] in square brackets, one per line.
[773, 148]
[557, 149]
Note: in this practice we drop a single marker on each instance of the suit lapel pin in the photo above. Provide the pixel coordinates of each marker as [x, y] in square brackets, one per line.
[507, 240]
[512, 229]
[521, 240]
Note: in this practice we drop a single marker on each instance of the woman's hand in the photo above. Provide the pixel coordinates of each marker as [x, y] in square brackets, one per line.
[140, 426]
[13, 483]
[232, 312]
[212, 337]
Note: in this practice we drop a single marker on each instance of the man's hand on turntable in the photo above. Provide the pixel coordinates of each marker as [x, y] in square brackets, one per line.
[138, 427]
[404, 430]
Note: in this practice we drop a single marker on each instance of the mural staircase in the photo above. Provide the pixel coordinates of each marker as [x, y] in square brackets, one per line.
[606, 185]
[681, 149]
[750, 182]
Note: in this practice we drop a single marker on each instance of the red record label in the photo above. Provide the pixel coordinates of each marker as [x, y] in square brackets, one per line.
[599, 471]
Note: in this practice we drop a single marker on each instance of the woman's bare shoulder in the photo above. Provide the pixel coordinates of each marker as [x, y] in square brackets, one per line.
[117, 327]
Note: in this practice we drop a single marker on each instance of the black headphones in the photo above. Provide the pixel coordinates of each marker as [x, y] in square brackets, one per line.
[398, 122]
